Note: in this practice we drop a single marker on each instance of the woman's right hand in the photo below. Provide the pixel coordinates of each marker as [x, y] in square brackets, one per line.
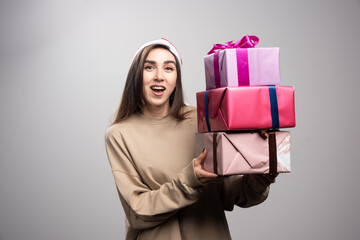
[204, 176]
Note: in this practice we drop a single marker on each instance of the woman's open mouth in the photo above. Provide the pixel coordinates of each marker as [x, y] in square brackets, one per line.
[158, 90]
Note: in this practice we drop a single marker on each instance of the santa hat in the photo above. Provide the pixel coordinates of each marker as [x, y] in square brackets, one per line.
[165, 42]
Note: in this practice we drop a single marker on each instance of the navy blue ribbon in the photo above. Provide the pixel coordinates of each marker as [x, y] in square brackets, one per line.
[274, 107]
[206, 100]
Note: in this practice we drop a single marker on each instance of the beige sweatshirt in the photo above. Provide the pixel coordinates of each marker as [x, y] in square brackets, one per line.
[152, 163]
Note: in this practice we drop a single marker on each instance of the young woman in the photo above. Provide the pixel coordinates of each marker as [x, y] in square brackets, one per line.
[151, 148]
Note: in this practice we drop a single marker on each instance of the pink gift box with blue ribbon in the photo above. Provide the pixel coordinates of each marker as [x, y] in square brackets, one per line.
[240, 64]
[245, 108]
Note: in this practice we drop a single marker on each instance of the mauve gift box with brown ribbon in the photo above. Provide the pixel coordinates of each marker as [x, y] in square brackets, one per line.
[237, 153]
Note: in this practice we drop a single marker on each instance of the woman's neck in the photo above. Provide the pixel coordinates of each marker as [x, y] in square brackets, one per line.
[152, 111]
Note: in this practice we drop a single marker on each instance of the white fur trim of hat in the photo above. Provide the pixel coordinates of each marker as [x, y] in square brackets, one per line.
[165, 42]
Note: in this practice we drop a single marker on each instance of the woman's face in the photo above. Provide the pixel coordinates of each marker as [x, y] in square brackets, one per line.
[159, 81]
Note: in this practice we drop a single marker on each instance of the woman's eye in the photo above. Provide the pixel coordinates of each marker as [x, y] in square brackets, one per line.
[169, 68]
[149, 67]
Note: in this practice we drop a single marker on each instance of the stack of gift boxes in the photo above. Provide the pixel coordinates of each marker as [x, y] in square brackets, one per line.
[242, 109]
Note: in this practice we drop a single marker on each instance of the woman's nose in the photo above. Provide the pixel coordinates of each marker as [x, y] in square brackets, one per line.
[159, 75]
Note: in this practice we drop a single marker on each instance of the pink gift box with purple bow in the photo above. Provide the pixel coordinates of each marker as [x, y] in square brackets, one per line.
[240, 64]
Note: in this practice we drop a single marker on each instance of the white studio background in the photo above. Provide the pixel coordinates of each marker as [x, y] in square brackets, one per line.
[62, 71]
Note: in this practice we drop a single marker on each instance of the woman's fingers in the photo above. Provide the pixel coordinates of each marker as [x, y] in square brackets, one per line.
[202, 175]
[200, 159]
[266, 179]
[205, 174]
[270, 177]
[202, 156]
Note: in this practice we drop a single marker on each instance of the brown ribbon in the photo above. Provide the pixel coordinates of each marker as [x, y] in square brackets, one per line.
[272, 153]
[215, 152]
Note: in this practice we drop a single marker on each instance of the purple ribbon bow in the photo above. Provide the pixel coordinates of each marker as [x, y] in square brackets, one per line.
[246, 42]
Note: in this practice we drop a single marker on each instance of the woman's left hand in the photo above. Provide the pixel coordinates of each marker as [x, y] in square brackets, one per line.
[266, 179]
[204, 176]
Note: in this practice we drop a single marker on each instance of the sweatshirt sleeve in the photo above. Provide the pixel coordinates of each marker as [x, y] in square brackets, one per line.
[146, 208]
[243, 191]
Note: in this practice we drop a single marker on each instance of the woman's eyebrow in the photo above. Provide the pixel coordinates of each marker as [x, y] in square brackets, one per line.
[150, 61]
[165, 62]
[169, 61]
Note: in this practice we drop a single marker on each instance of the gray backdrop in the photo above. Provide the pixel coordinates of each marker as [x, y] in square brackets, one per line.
[62, 70]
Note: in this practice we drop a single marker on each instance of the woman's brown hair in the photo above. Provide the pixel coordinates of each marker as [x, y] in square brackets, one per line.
[132, 100]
